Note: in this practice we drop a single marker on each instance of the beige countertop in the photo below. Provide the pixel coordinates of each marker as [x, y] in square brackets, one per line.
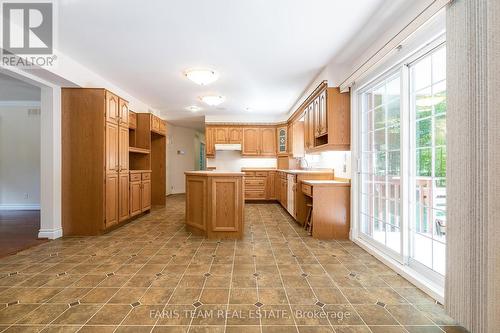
[215, 173]
[297, 172]
[327, 182]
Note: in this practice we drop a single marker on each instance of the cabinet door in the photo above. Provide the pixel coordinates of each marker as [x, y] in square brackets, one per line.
[322, 115]
[271, 191]
[234, 135]
[277, 186]
[163, 127]
[310, 126]
[316, 116]
[123, 144]
[132, 120]
[123, 192]
[209, 142]
[282, 140]
[111, 189]
[123, 112]
[112, 105]
[112, 150]
[135, 198]
[283, 193]
[155, 123]
[251, 141]
[268, 141]
[221, 136]
[146, 195]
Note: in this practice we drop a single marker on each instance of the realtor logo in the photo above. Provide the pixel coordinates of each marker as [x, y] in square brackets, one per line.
[27, 28]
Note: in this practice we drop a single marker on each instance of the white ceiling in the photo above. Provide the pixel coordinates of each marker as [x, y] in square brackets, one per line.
[266, 51]
[14, 90]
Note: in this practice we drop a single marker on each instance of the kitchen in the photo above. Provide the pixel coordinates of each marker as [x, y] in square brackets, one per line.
[200, 164]
[270, 157]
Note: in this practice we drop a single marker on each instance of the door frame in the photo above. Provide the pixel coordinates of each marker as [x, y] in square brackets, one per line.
[50, 152]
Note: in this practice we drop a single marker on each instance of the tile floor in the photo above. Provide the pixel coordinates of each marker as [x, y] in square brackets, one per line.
[153, 276]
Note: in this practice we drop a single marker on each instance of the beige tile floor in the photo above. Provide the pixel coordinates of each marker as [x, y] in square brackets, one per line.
[153, 276]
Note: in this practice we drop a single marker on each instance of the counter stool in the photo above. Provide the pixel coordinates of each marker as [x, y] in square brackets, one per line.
[308, 221]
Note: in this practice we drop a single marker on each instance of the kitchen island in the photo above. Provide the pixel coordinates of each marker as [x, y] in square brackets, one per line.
[215, 203]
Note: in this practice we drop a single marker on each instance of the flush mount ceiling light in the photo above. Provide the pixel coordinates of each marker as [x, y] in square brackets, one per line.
[248, 109]
[213, 100]
[193, 108]
[201, 76]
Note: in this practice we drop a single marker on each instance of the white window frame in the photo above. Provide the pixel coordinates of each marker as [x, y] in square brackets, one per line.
[422, 276]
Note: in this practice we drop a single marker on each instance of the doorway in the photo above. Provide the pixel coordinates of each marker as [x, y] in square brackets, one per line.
[20, 164]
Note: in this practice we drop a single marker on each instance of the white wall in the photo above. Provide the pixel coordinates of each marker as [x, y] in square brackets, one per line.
[181, 156]
[232, 161]
[19, 157]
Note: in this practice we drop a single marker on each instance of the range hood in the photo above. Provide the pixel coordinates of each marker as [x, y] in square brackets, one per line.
[228, 146]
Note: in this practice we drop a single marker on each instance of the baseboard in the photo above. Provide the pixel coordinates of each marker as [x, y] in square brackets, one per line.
[20, 207]
[50, 233]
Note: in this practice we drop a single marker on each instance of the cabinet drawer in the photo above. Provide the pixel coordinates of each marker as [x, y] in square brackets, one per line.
[307, 189]
[261, 173]
[146, 176]
[250, 173]
[249, 194]
[255, 182]
[135, 177]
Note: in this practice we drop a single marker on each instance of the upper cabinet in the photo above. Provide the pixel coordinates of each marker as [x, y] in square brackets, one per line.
[221, 135]
[158, 125]
[209, 141]
[112, 108]
[327, 120]
[282, 135]
[267, 141]
[235, 135]
[251, 141]
[123, 112]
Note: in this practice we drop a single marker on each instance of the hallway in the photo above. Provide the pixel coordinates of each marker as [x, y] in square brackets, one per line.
[18, 230]
[152, 276]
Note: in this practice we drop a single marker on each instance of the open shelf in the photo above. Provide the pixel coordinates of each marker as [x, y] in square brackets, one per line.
[138, 150]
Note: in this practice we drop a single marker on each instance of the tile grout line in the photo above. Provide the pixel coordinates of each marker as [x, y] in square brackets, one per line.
[279, 272]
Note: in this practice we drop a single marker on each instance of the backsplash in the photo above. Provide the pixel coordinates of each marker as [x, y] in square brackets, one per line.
[340, 161]
[233, 161]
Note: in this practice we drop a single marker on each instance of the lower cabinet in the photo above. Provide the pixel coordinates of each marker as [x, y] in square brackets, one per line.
[259, 185]
[140, 192]
[123, 203]
[111, 198]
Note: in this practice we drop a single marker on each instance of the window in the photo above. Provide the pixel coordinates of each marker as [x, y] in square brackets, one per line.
[403, 115]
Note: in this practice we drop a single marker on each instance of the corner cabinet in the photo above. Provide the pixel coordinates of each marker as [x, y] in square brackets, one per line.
[327, 120]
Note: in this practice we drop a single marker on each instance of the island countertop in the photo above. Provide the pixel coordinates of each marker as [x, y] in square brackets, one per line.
[215, 203]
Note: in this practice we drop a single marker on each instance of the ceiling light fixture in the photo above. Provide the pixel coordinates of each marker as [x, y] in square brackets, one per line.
[201, 76]
[248, 109]
[193, 108]
[213, 100]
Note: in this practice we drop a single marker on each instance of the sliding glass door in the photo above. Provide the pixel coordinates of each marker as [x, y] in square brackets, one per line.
[428, 164]
[381, 163]
[403, 123]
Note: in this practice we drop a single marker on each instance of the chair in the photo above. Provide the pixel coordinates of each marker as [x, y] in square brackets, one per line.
[308, 222]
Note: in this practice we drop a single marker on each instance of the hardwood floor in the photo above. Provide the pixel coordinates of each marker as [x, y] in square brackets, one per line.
[18, 230]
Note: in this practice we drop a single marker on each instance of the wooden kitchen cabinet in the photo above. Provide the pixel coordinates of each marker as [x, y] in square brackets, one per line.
[235, 135]
[259, 141]
[251, 141]
[132, 120]
[123, 193]
[209, 141]
[112, 108]
[111, 200]
[221, 135]
[140, 192]
[135, 198]
[123, 112]
[327, 120]
[146, 195]
[268, 141]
